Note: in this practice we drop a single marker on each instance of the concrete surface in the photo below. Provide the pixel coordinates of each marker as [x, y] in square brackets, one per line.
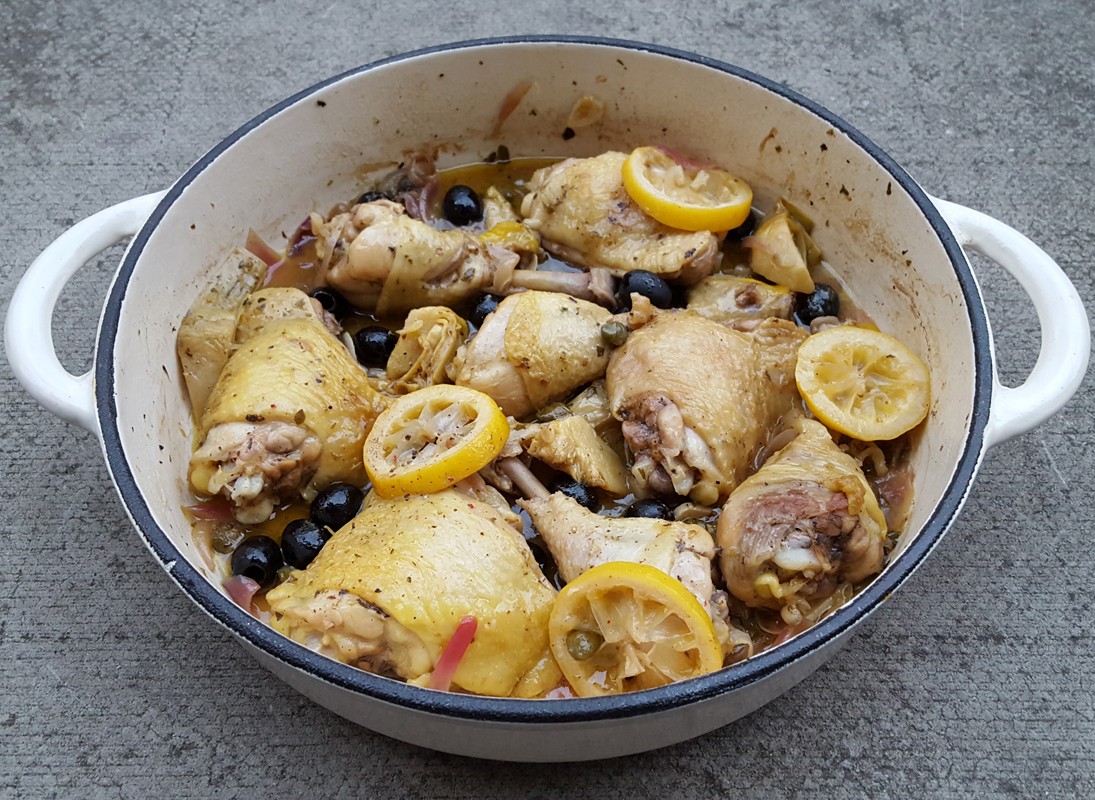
[975, 681]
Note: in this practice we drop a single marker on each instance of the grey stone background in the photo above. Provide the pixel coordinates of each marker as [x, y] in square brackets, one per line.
[975, 680]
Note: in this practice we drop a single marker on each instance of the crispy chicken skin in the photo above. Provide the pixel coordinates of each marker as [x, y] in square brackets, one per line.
[802, 524]
[289, 413]
[697, 400]
[395, 263]
[536, 347]
[585, 216]
[387, 591]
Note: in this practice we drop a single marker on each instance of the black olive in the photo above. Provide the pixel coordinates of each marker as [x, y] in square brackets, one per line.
[745, 229]
[336, 505]
[577, 491]
[822, 302]
[301, 542]
[649, 507]
[257, 558]
[374, 345]
[369, 197]
[332, 302]
[648, 285]
[462, 205]
[486, 305]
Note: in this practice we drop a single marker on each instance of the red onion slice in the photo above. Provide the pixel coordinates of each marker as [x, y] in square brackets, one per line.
[256, 246]
[242, 590]
[218, 512]
[453, 653]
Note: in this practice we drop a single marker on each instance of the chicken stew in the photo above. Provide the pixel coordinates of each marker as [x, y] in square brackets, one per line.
[545, 428]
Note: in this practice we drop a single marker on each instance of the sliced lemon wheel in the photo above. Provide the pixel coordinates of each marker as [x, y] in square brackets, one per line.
[863, 382]
[428, 440]
[621, 627]
[683, 196]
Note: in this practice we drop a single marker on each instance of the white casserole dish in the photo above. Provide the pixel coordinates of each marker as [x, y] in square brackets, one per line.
[897, 249]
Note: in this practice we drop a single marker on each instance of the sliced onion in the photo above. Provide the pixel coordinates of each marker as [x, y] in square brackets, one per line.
[218, 512]
[242, 590]
[453, 653]
[260, 248]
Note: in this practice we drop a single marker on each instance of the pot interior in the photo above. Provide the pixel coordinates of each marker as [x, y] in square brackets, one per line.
[315, 149]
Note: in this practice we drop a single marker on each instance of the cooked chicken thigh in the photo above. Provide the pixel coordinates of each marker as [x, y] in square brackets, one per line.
[395, 263]
[585, 216]
[387, 591]
[732, 300]
[694, 402]
[802, 524]
[536, 347]
[265, 306]
[289, 413]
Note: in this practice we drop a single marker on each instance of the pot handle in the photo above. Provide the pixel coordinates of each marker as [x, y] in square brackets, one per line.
[1066, 335]
[28, 334]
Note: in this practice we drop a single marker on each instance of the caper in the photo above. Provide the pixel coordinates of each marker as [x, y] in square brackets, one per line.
[552, 412]
[283, 574]
[614, 333]
[225, 538]
[583, 644]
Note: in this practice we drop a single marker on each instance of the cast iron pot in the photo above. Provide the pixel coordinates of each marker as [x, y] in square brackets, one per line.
[899, 251]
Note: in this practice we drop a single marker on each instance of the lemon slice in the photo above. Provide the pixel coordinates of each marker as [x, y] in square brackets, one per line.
[621, 627]
[428, 440]
[862, 382]
[683, 196]
[512, 235]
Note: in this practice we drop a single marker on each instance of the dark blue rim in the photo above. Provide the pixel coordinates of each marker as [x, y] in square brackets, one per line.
[523, 711]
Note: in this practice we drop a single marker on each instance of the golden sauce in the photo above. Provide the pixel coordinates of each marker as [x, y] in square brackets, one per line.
[508, 177]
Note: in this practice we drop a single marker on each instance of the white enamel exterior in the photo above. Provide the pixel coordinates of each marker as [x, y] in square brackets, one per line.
[547, 742]
[315, 152]
[1066, 334]
[28, 330]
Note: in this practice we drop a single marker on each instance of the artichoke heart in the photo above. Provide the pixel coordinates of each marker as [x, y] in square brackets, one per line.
[497, 209]
[418, 565]
[427, 345]
[571, 445]
[781, 249]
